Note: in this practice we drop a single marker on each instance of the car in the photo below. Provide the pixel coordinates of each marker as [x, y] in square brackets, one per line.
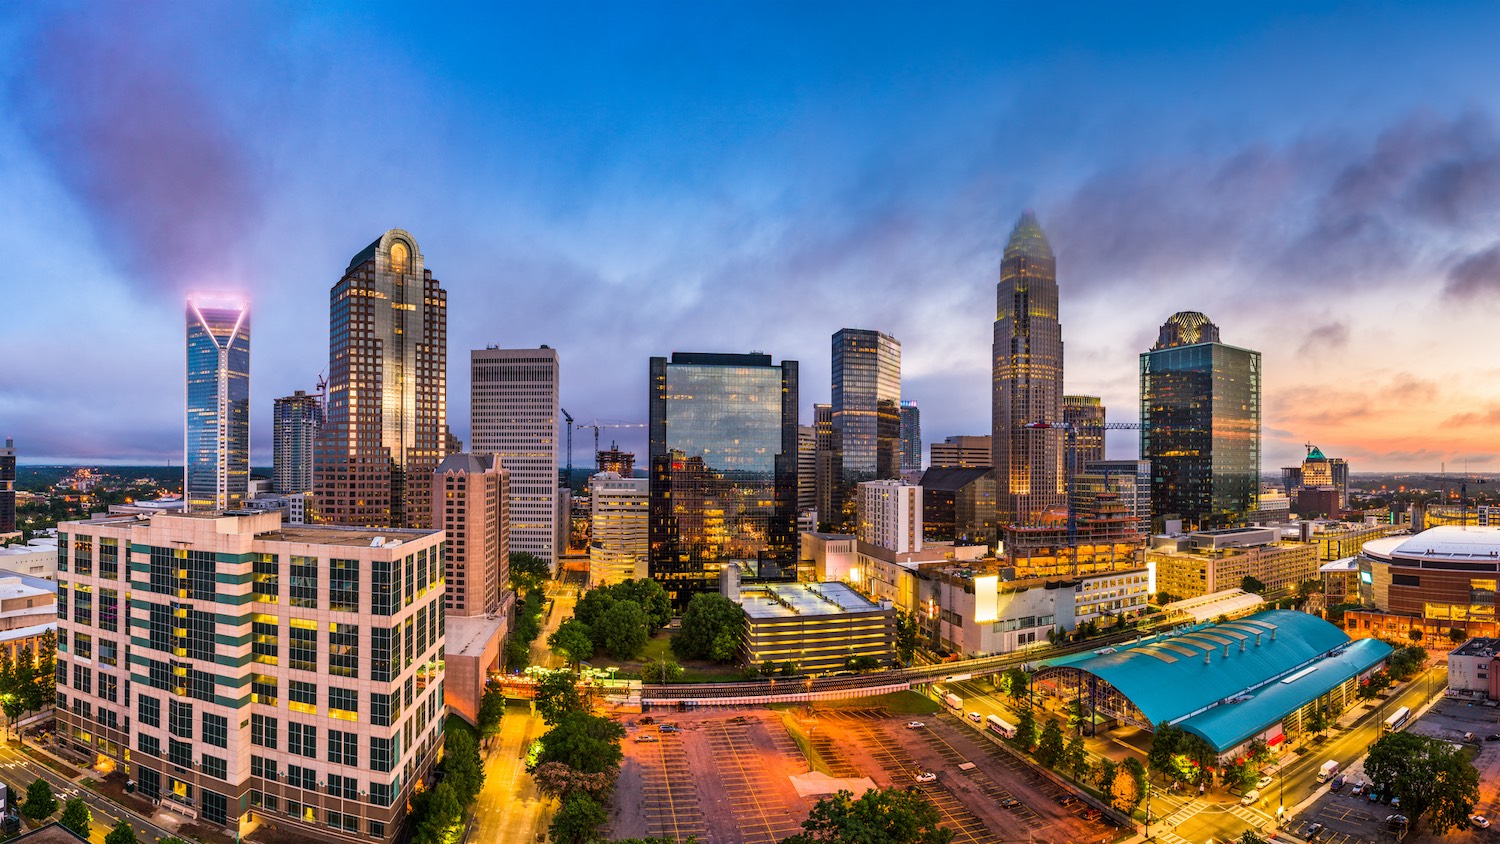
[1395, 802]
[915, 725]
[1092, 814]
[1312, 831]
[1359, 788]
[646, 738]
[1262, 782]
[1338, 782]
[1479, 821]
[926, 776]
[1373, 796]
[1067, 800]
[1009, 803]
[975, 717]
[1492, 737]
[1250, 797]
[1396, 821]
[669, 728]
[648, 720]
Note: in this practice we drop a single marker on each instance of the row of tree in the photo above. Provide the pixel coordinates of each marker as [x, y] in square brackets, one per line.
[712, 627]
[528, 574]
[41, 803]
[29, 682]
[580, 758]
[1432, 778]
[437, 812]
[1123, 785]
[618, 620]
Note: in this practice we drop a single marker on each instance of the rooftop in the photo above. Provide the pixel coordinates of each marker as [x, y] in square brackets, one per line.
[353, 536]
[1208, 607]
[952, 478]
[469, 636]
[1477, 647]
[1450, 542]
[789, 600]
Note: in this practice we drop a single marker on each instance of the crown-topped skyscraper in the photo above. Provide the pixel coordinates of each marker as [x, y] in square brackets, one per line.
[1027, 380]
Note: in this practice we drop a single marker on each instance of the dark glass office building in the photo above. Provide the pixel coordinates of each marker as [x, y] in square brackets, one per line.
[911, 437]
[723, 450]
[1085, 414]
[216, 473]
[8, 486]
[1200, 424]
[866, 413]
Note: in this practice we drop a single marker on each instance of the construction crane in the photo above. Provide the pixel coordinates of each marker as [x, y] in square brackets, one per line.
[1072, 434]
[597, 424]
[568, 478]
[1463, 493]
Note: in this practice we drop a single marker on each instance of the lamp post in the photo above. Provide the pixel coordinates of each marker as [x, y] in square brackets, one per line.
[1148, 808]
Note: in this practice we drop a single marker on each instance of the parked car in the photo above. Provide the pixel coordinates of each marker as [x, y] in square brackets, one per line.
[1492, 737]
[646, 738]
[915, 725]
[1395, 802]
[1312, 831]
[1479, 821]
[1396, 821]
[926, 776]
[1009, 803]
[1092, 814]
[1250, 797]
[1338, 783]
[1373, 796]
[1262, 782]
[1067, 800]
[648, 720]
[669, 728]
[1359, 789]
[975, 717]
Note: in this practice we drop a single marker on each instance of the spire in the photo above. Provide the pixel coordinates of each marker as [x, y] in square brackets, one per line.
[1027, 238]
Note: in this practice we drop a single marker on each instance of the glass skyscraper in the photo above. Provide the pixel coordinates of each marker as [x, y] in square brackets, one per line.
[866, 413]
[1086, 416]
[216, 465]
[1200, 424]
[911, 437]
[295, 427]
[1027, 382]
[723, 451]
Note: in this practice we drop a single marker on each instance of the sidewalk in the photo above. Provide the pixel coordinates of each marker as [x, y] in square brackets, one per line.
[165, 822]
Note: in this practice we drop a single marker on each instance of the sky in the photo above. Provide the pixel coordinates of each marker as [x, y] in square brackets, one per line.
[622, 180]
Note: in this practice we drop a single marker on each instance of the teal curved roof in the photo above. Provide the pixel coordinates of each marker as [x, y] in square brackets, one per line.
[1316, 454]
[1168, 679]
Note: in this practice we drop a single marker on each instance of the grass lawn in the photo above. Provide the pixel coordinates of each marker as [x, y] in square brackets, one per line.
[896, 703]
[660, 648]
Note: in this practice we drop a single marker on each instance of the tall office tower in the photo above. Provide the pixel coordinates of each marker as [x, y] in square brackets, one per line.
[216, 468]
[1086, 416]
[723, 433]
[622, 463]
[295, 426]
[1127, 482]
[387, 409]
[911, 437]
[470, 502]
[1291, 479]
[1200, 424]
[866, 413]
[962, 452]
[513, 412]
[807, 468]
[620, 538]
[1320, 471]
[890, 515]
[289, 673]
[1028, 379]
[8, 486]
[827, 447]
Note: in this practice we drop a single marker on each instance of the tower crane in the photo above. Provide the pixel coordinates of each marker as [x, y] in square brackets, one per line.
[597, 424]
[568, 479]
[1071, 430]
[1463, 492]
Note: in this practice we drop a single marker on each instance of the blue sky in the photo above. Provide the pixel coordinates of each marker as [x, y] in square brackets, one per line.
[623, 180]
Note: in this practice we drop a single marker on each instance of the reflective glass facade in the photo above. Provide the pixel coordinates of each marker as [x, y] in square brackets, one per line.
[216, 473]
[1027, 381]
[911, 437]
[1086, 416]
[723, 448]
[8, 486]
[866, 413]
[1200, 425]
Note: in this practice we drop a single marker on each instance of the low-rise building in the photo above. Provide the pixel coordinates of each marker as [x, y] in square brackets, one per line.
[890, 515]
[1213, 561]
[818, 627]
[1474, 666]
[830, 555]
[37, 558]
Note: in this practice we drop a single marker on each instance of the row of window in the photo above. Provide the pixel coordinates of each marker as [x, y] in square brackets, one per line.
[309, 814]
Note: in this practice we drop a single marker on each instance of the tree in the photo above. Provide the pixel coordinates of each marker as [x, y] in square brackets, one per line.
[1017, 683]
[711, 628]
[1249, 837]
[571, 640]
[434, 813]
[1456, 636]
[555, 779]
[879, 816]
[1415, 634]
[584, 742]
[123, 833]
[652, 598]
[1124, 792]
[461, 764]
[1252, 584]
[1075, 759]
[1317, 722]
[621, 631]
[491, 709]
[1075, 716]
[1428, 775]
[528, 571]
[1049, 751]
[578, 820]
[1026, 733]
[40, 803]
[77, 817]
[1308, 588]
[661, 671]
[861, 663]
[1104, 775]
[557, 695]
[516, 653]
[1164, 597]
[907, 637]
[1166, 741]
[593, 605]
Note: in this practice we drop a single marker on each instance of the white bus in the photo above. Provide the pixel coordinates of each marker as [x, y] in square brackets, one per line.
[1397, 720]
[995, 725]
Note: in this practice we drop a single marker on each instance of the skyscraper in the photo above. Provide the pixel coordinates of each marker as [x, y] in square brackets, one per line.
[723, 434]
[827, 464]
[470, 498]
[387, 389]
[963, 451]
[1085, 414]
[1027, 380]
[513, 412]
[216, 466]
[295, 425]
[911, 437]
[620, 540]
[807, 468]
[8, 486]
[1200, 424]
[866, 413]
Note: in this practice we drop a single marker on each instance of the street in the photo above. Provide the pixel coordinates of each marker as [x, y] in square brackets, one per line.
[509, 810]
[20, 770]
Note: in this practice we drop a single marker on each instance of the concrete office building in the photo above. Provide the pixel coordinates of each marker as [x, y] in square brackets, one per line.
[1475, 667]
[293, 674]
[471, 501]
[620, 542]
[818, 627]
[216, 468]
[513, 412]
[387, 413]
[890, 515]
[911, 437]
[961, 452]
[295, 424]
[829, 556]
[807, 468]
[1212, 561]
[37, 558]
[827, 460]
[1128, 481]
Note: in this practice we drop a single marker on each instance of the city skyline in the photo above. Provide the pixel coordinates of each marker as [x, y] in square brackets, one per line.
[674, 200]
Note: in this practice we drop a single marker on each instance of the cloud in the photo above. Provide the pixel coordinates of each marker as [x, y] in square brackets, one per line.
[1488, 416]
[1476, 276]
[1331, 336]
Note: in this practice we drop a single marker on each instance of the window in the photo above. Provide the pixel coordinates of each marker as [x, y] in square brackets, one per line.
[345, 787]
[109, 610]
[180, 753]
[159, 674]
[302, 740]
[383, 601]
[304, 645]
[300, 777]
[62, 599]
[215, 767]
[200, 638]
[305, 582]
[263, 731]
[264, 768]
[215, 730]
[200, 685]
[343, 748]
[109, 687]
[304, 696]
[109, 558]
[410, 581]
[343, 585]
[83, 645]
[62, 552]
[380, 794]
[271, 802]
[215, 807]
[422, 630]
[264, 642]
[148, 710]
[263, 689]
[83, 603]
[200, 569]
[266, 579]
[382, 753]
[159, 627]
[380, 709]
[377, 829]
[83, 679]
[381, 663]
[83, 555]
[344, 701]
[150, 780]
[180, 719]
[149, 745]
[343, 650]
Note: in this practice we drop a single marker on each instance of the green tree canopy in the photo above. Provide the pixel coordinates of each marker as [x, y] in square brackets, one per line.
[571, 640]
[461, 764]
[586, 743]
[1251, 584]
[434, 814]
[77, 817]
[40, 803]
[1428, 775]
[1016, 684]
[557, 695]
[711, 628]
[661, 671]
[1049, 750]
[123, 833]
[879, 816]
[578, 820]
[528, 571]
[907, 637]
[1026, 732]
[622, 630]
[491, 709]
[652, 598]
